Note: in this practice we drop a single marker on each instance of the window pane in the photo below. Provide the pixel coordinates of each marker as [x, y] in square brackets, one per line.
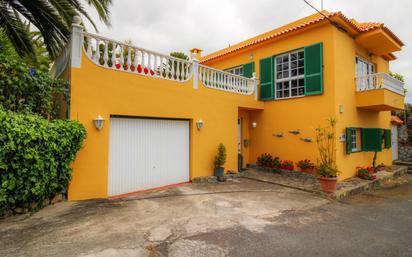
[286, 85]
[300, 54]
[301, 71]
[301, 63]
[294, 56]
[278, 86]
[286, 74]
[294, 83]
[285, 93]
[294, 72]
[279, 75]
[293, 64]
[279, 94]
[294, 92]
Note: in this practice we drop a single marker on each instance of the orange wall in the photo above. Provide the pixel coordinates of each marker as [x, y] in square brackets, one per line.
[282, 116]
[307, 113]
[100, 91]
[345, 70]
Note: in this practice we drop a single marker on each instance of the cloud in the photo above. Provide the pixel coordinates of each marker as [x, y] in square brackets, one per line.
[180, 25]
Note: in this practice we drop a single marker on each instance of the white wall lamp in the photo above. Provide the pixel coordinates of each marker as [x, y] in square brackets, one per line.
[199, 124]
[254, 124]
[98, 122]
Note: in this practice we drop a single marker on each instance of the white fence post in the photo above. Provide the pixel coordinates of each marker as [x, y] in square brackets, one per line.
[195, 63]
[255, 82]
[76, 42]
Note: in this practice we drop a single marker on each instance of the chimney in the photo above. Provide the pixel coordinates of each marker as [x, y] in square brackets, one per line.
[196, 52]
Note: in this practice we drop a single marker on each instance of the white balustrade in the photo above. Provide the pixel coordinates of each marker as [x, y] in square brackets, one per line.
[225, 81]
[379, 81]
[120, 56]
[124, 57]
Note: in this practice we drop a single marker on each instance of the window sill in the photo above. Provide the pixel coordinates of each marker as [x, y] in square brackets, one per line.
[287, 98]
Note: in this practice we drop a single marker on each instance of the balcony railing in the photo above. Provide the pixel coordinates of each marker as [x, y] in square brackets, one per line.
[120, 56]
[379, 81]
[222, 80]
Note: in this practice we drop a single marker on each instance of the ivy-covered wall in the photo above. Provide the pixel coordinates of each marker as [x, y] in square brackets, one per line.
[35, 159]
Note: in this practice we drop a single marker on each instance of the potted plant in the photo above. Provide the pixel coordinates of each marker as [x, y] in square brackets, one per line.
[286, 165]
[268, 162]
[365, 173]
[306, 166]
[220, 160]
[326, 144]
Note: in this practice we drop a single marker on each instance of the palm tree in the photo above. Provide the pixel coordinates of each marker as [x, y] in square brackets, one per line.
[52, 18]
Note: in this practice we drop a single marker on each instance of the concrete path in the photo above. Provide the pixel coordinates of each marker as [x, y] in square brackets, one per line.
[155, 224]
[238, 218]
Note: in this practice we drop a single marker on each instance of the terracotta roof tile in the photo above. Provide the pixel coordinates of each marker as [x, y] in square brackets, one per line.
[396, 120]
[359, 27]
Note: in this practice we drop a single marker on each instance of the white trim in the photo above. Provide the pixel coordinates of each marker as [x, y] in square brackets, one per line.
[234, 69]
[298, 78]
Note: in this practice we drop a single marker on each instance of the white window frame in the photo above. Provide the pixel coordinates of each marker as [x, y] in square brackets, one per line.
[238, 70]
[363, 68]
[356, 137]
[370, 67]
[290, 78]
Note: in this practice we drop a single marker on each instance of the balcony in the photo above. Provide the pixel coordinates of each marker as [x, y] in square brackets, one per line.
[380, 92]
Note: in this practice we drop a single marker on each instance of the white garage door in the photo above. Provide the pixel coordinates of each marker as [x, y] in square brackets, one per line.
[147, 153]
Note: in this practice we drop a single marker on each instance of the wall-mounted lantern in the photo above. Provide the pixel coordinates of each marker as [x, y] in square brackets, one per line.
[199, 124]
[98, 122]
[254, 124]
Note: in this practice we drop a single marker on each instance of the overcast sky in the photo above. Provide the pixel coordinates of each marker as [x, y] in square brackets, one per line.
[180, 25]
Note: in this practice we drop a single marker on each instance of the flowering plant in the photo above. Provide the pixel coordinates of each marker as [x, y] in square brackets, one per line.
[365, 172]
[286, 165]
[266, 160]
[305, 164]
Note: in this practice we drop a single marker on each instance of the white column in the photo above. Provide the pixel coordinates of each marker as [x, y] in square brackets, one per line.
[195, 71]
[255, 82]
[76, 42]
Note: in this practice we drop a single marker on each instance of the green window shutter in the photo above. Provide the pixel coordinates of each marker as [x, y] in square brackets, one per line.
[348, 140]
[266, 79]
[388, 139]
[314, 69]
[248, 69]
[371, 139]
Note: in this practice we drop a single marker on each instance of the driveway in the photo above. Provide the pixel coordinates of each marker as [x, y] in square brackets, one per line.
[190, 220]
[238, 218]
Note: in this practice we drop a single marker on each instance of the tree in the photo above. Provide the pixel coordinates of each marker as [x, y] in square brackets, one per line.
[52, 18]
[174, 65]
[180, 55]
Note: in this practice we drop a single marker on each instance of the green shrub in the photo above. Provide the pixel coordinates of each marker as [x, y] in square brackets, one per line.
[266, 160]
[26, 89]
[220, 158]
[35, 158]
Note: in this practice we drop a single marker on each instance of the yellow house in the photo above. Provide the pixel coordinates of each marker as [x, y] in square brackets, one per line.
[155, 120]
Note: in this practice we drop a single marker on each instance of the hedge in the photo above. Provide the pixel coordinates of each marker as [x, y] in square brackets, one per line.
[26, 89]
[35, 159]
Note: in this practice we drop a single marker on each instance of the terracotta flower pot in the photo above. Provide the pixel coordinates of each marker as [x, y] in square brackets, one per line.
[328, 184]
[308, 171]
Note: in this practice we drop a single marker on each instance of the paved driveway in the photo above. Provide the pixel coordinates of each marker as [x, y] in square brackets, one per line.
[155, 224]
